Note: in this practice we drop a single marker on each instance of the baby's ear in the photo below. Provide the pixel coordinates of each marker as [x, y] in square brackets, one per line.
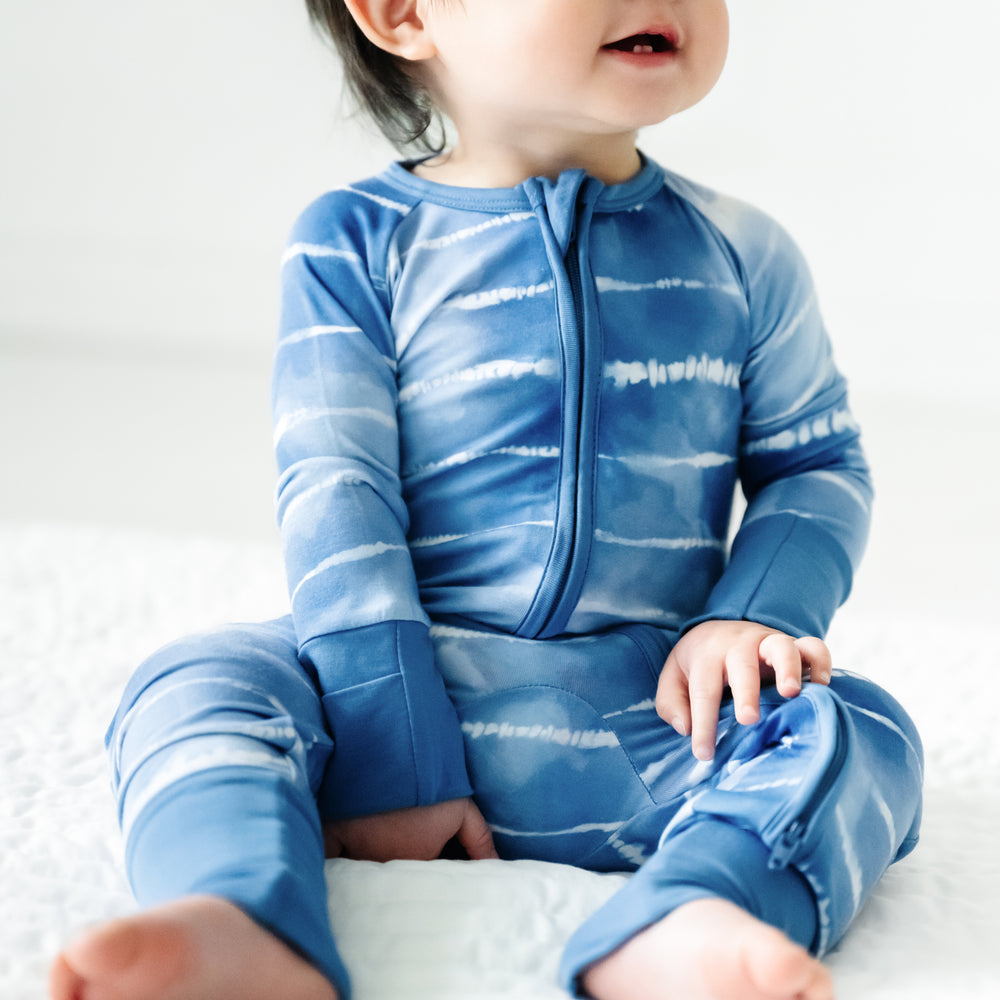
[395, 26]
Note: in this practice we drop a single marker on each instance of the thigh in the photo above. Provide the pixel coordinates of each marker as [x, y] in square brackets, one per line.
[236, 692]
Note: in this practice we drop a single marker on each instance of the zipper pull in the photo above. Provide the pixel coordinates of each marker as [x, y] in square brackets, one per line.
[788, 844]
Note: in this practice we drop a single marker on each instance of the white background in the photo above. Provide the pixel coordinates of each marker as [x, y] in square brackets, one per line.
[154, 156]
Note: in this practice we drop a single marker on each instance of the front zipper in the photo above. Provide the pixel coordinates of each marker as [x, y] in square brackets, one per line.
[562, 581]
[556, 585]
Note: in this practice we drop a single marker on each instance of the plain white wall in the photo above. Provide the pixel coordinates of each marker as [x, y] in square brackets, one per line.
[154, 156]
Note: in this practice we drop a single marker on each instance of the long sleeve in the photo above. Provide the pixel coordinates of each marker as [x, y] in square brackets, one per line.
[802, 469]
[343, 521]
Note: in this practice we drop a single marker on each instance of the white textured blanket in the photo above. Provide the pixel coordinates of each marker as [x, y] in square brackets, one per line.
[79, 607]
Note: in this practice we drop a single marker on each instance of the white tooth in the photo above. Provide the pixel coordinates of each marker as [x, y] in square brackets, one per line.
[642, 49]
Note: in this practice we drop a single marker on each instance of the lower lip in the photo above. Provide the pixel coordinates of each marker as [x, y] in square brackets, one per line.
[646, 60]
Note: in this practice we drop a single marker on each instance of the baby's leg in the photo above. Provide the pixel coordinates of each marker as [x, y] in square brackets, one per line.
[218, 749]
[800, 819]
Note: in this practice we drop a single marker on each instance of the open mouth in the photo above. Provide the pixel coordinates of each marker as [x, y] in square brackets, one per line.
[644, 44]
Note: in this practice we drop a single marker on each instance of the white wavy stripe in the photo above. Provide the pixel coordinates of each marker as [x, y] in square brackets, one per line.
[845, 484]
[457, 632]
[650, 775]
[764, 786]
[317, 250]
[360, 553]
[805, 433]
[851, 862]
[633, 853]
[793, 324]
[737, 769]
[442, 242]
[655, 464]
[608, 284]
[820, 379]
[464, 457]
[886, 813]
[168, 690]
[641, 706]
[582, 828]
[682, 544]
[328, 483]
[499, 296]
[717, 371]
[485, 372]
[394, 206]
[889, 724]
[698, 773]
[580, 739]
[323, 330]
[290, 421]
[431, 540]
[616, 609]
[206, 753]
[308, 332]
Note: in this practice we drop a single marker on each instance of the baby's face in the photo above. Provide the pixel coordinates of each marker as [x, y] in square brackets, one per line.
[592, 67]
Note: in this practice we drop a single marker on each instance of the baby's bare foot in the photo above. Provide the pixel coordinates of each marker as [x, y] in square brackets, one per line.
[198, 948]
[709, 950]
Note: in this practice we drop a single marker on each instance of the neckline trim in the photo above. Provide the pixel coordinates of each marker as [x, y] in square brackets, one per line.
[608, 197]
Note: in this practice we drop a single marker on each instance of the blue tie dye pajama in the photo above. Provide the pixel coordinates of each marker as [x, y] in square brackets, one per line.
[509, 426]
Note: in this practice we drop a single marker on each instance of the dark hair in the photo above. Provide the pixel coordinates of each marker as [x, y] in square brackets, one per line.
[379, 82]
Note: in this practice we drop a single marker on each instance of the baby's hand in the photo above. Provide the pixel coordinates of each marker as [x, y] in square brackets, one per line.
[416, 834]
[741, 655]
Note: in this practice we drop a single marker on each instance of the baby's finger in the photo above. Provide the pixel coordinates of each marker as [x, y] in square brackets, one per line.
[743, 675]
[475, 836]
[817, 663]
[705, 686]
[672, 704]
[781, 654]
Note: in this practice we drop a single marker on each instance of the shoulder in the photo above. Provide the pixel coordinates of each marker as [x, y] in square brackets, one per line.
[761, 246]
[356, 217]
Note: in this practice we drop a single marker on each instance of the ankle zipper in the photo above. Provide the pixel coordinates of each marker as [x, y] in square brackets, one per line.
[786, 847]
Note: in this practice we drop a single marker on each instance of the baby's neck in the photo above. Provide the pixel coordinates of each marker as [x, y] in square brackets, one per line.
[498, 166]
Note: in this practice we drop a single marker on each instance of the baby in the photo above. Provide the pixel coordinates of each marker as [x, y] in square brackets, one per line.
[517, 382]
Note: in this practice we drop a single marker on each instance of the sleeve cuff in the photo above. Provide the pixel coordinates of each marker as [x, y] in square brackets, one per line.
[783, 572]
[397, 740]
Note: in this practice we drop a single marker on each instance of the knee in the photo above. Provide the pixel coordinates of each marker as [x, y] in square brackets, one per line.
[258, 656]
[878, 712]
[241, 680]
[887, 744]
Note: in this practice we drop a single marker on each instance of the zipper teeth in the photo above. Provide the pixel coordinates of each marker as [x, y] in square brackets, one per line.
[555, 586]
[546, 614]
[795, 831]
